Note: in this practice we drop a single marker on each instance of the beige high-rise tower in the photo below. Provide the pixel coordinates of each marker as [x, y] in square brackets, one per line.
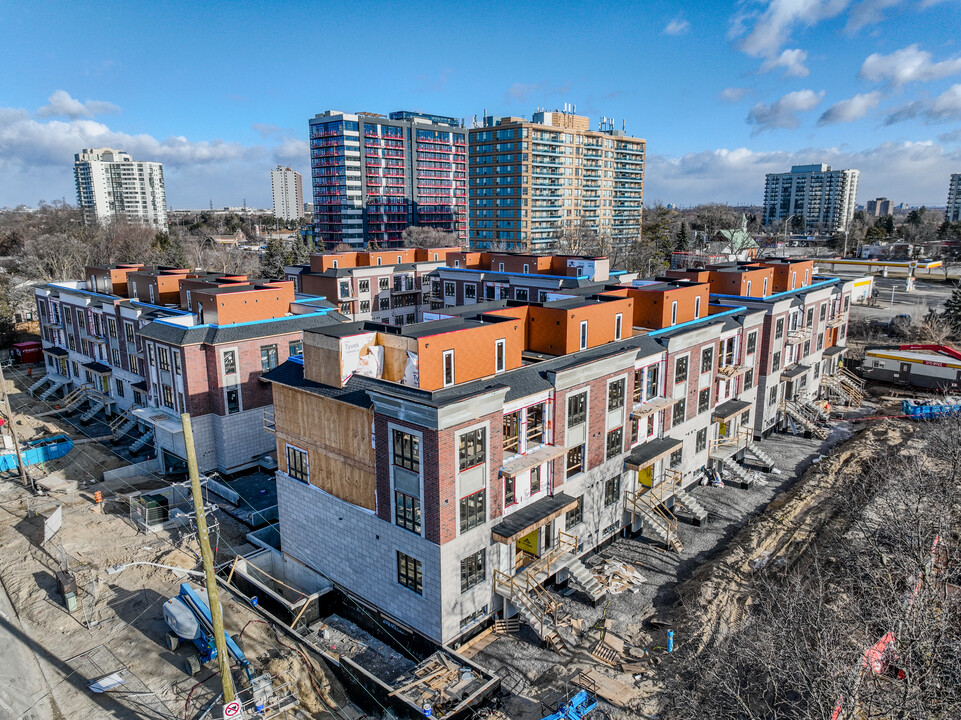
[111, 185]
[532, 181]
[288, 190]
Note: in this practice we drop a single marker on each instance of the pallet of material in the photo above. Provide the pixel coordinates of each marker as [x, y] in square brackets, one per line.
[613, 691]
[510, 625]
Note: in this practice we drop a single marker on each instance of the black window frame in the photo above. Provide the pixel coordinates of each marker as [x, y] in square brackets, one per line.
[616, 390]
[268, 352]
[751, 343]
[704, 400]
[575, 452]
[614, 442]
[680, 369]
[700, 440]
[575, 516]
[473, 510]
[576, 409]
[535, 473]
[407, 512]
[299, 470]
[405, 450]
[612, 490]
[707, 359]
[677, 457]
[679, 412]
[410, 572]
[473, 570]
[471, 448]
[510, 490]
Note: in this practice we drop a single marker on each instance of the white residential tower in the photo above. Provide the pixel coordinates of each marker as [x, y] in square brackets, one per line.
[825, 198]
[111, 185]
[288, 189]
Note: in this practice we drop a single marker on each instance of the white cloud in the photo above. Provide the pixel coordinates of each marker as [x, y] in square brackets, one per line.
[734, 94]
[677, 26]
[854, 108]
[60, 104]
[911, 172]
[944, 107]
[791, 60]
[953, 136]
[868, 12]
[910, 64]
[783, 112]
[522, 92]
[768, 30]
[36, 161]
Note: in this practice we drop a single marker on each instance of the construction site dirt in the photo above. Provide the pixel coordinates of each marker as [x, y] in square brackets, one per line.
[618, 648]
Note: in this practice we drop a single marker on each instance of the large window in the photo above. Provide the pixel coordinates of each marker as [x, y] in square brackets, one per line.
[751, 342]
[407, 450]
[230, 362]
[410, 573]
[700, 440]
[473, 511]
[576, 409]
[615, 395]
[638, 385]
[473, 570]
[680, 408]
[512, 433]
[680, 369]
[268, 357]
[779, 329]
[704, 400]
[575, 516]
[748, 380]
[676, 457]
[407, 511]
[612, 490]
[776, 362]
[535, 425]
[535, 479]
[297, 464]
[296, 347]
[510, 490]
[707, 359]
[233, 400]
[615, 442]
[472, 448]
[652, 381]
[575, 461]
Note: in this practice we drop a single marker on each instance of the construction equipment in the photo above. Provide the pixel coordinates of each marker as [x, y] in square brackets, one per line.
[578, 706]
[188, 617]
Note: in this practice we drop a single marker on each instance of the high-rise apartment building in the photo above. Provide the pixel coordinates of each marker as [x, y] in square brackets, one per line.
[288, 189]
[952, 213]
[823, 197]
[111, 185]
[373, 176]
[880, 207]
[533, 180]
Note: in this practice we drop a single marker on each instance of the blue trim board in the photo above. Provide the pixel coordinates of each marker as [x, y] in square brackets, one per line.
[319, 313]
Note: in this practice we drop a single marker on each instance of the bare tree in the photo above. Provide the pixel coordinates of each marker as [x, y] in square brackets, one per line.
[423, 236]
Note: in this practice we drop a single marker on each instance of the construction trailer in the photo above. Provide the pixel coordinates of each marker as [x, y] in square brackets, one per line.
[937, 367]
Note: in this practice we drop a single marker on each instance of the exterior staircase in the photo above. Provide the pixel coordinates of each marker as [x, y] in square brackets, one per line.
[75, 399]
[51, 391]
[805, 415]
[742, 478]
[138, 444]
[123, 423]
[649, 505]
[764, 460]
[845, 386]
[690, 503]
[96, 405]
[39, 384]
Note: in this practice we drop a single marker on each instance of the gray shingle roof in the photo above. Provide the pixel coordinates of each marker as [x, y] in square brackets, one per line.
[217, 334]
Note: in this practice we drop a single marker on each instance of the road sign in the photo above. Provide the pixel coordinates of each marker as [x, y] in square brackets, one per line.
[233, 710]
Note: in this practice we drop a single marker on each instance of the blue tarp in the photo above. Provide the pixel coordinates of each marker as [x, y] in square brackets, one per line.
[35, 452]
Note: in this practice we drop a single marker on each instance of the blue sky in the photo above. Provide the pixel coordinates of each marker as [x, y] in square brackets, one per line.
[723, 91]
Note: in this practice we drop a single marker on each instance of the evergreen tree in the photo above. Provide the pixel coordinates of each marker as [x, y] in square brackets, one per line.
[952, 310]
[273, 259]
[682, 241]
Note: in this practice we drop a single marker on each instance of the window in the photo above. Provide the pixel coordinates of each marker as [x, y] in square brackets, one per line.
[807, 348]
[824, 311]
[615, 442]
[407, 511]
[615, 395]
[522, 294]
[776, 362]
[407, 450]
[233, 400]
[230, 362]
[772, 396]
[779, 329]
[448, 368]
[268, 357]
[618, 323]
[679, 411]
[512, 433]
[167, 394]
[365, 306]
[410, 573]
[115, 357]
[297, 464]
[449, 289]
[810, 317]
[119, 385]
[535, 479]
[111, 325]
[674, 313]
[576, 409]
[472, 448]
[383, 283]
[151, 356]
[296, 347]
[748, 379]
[583, 334]
[500, 351]
[748, 292]
[707, 359]
[575, 461]
[676, 457]
[473, 511]
[751, 343]
[704, 400]
[175, 354]
[510, 494]
[470, 291]
[820, 344]
[363, 286]
[700, 440]
[535, 425]
[344, 288]
[680, 369]
[385, 303]
[575, 516]
[652, 381]
[473, 570]
[612, 490]
[697, 307]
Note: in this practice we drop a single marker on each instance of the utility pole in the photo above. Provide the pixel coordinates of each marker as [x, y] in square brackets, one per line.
[13, 431]
[216, 615]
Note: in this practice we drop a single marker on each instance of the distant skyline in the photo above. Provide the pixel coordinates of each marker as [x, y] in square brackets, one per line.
[724, 92]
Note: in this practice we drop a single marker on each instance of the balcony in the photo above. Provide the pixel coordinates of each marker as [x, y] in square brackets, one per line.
[519, 464]
[798, 336]
[837, 320]
[654, 404]
[728, 372]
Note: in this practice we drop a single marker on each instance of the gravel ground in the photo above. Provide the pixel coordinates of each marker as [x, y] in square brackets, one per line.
[531, 670]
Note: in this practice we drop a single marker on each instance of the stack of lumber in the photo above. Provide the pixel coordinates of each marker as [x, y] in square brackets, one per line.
[436, 682]
[619, 577]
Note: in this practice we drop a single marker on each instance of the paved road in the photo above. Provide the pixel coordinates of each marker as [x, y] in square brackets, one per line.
[926, 295]
[23, 688]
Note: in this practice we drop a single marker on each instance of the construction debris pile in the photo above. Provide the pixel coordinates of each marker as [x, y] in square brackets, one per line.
[618, 577]
[439, 684]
